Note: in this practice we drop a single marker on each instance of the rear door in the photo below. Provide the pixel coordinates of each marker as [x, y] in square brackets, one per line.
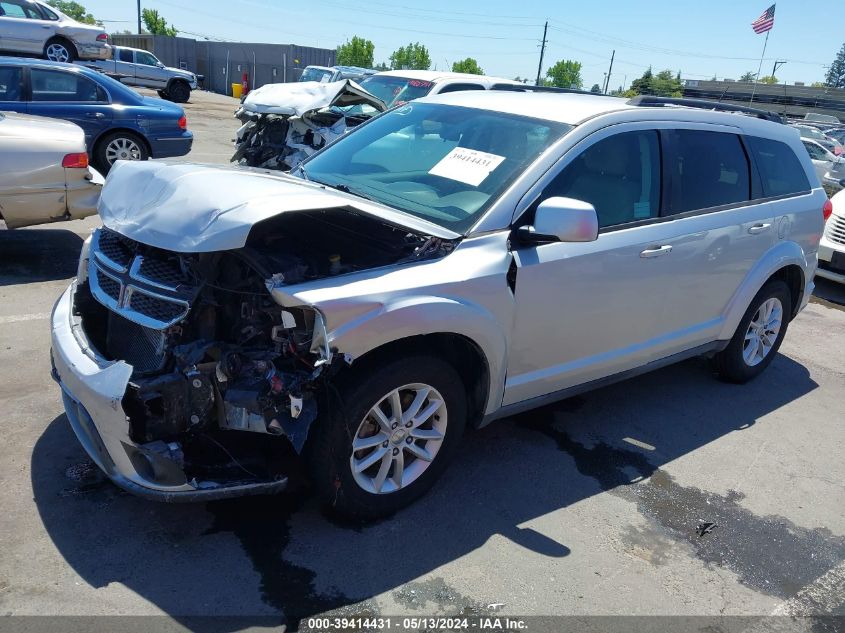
[712, 232]
[124, 64]
[71, 96]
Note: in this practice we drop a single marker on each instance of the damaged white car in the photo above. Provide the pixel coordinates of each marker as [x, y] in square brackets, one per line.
[283, 124]
[458, 259]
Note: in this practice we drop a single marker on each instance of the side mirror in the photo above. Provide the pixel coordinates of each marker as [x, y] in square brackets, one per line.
[562, 220]
[160, 65]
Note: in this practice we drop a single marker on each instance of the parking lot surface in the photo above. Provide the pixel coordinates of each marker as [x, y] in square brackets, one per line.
[598, 505]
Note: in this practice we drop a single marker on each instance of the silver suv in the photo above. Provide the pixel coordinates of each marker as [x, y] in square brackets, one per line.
[458, 259]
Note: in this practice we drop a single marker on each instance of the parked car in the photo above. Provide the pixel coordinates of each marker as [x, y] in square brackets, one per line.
[825, 119]
[830, 168]
[119, 123]
[136, 67]
[397, 86]
[452, 261]
[814, 134]
[34, 28]
[330, 74]
[832, 246]
[44, 172]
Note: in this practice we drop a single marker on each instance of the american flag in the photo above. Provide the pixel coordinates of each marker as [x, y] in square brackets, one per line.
[765, 22]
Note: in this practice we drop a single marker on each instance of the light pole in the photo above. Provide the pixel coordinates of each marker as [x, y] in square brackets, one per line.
[139, 17]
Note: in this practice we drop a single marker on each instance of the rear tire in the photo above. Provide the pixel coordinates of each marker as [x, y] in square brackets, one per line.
[758, 336]
[178, 92]
[119, 145]
[163, 94]
[60, 50]
[396, 476]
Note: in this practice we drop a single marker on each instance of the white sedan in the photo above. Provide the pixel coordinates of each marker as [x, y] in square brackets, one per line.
[832, 245]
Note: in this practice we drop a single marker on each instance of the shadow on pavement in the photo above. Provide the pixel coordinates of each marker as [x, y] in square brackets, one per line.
[183, 559]
[829, 291]
[38, 255]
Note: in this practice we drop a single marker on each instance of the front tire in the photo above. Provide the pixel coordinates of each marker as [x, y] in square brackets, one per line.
[119, 146]
[758, 336]
[59, 50]
[386, 436]
[179, 92]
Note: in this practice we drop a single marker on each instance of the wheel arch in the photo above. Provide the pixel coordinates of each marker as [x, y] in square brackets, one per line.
[65, 40]
[785, 261]
[109, 131]
[464, 354]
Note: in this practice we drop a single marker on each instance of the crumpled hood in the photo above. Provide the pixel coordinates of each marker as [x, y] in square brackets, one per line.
[296, 99]
[192, 208]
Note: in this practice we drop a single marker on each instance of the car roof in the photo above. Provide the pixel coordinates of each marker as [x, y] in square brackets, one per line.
[438, 75]
[551, 106]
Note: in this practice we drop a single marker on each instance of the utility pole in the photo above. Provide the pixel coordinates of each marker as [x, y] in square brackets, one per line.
[139, 17]
[609, 71]
[542, 52]
[778, 64]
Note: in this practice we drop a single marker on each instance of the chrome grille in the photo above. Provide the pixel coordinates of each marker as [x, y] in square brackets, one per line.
[149, 290]
[835, 229]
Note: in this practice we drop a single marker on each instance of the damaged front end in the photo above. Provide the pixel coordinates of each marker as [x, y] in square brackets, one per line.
[283, 124]
[225, 383]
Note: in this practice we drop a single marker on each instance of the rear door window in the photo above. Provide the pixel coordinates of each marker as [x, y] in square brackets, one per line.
[705, 169]
[55, 85]
[125, 55]
[781, 173]
[816, 152]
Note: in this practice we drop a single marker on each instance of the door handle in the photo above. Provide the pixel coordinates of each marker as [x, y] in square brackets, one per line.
[656, 251]
[759, 228]
[95, 115]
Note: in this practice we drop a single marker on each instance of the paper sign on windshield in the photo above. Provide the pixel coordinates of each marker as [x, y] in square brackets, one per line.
[466, 165]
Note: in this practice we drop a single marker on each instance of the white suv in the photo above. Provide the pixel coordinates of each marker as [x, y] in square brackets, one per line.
[457, 259]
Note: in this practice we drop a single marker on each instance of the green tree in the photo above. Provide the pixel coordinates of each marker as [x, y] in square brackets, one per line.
[411, 57]
[642, 85]
[566, 73]
[356, 52]
[749, 76]
[596, 89]
[818, 84]
[836, 73]
[769, 79]
[74, 10]
[468, 65]
[156, 24]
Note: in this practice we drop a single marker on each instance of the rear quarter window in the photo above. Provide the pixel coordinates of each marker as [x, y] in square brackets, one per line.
[781, 173]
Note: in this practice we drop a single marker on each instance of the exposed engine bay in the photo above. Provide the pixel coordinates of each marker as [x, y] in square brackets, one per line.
[283, 124]
[225, 381]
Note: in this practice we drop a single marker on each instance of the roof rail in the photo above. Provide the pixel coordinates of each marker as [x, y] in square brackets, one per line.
[704, 104]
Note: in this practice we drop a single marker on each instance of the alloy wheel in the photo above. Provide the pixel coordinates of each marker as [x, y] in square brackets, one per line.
[399, 438]
[762, 331]
[58, 53]
[122, 148]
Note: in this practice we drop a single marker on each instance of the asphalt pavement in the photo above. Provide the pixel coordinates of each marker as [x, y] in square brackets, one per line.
[668, 494]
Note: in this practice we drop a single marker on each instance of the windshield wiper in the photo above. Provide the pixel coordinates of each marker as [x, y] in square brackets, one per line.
[354, 191]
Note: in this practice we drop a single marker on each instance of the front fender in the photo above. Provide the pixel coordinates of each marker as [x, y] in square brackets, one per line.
[782, 254]
[420, 315]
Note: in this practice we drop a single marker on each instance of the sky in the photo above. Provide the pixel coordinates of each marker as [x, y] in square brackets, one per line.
[702, 39]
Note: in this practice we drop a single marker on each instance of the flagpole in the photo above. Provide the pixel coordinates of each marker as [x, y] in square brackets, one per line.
[759, 68]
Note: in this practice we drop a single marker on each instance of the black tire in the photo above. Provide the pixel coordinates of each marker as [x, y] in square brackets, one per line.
[163, 94]
[178, 92]
[101, 161]
[329, 448]
[56, 44]
[730, 363]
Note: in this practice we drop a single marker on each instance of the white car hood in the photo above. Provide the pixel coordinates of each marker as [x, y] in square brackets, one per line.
[192, 208]
[296, 99]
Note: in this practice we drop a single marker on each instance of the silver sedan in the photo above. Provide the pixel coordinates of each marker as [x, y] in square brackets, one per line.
[44, 172]
[35, 28]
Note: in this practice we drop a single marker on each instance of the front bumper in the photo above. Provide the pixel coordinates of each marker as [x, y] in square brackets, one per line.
[93, 390]
[172, 145]
[827, 248]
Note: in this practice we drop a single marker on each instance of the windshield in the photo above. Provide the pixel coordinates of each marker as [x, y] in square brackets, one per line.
[393, 90]
[445, 164]
[322, 75]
